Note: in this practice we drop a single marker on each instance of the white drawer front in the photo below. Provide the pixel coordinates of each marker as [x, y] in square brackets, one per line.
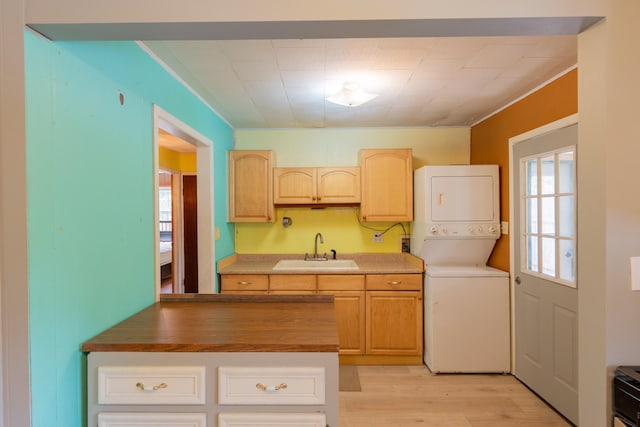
[271, 385]
[272, 420]
[151, 385]
[141, 419]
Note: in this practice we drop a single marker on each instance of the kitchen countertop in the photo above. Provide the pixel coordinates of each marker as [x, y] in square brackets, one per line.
[225, 323]
[368, 263]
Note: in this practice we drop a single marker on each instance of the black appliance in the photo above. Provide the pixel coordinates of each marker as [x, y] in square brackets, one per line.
[626, 395]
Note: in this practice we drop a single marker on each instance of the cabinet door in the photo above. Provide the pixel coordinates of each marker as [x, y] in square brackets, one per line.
[349, 301]
[350, 319]
[338, 185]
[394, 323]
[250, 186]
[387, 185]
[294, 185]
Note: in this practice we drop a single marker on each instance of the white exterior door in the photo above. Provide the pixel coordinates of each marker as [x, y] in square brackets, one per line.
[546, 294]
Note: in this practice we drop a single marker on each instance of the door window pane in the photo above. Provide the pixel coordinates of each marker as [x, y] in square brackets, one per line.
[548, 173]
[532, 177]
[567, 260]
[567, 216]
[566, 172]
[532, 253]
[549, 256]
[532, 215]
[548, 215]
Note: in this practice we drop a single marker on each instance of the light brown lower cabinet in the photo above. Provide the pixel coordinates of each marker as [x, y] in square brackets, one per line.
[379, 316]
[349, 299]
[394, 314]
[394, 323]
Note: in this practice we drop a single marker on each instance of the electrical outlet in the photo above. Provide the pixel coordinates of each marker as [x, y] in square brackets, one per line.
[378, 238]
[504, 227]
[406, 243]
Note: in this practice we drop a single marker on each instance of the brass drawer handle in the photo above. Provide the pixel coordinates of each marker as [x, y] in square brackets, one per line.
[394, 282]
[263, 387]
[244, 283]
[143, 387]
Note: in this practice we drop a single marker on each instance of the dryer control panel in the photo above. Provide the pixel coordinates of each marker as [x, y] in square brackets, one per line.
[470, 230]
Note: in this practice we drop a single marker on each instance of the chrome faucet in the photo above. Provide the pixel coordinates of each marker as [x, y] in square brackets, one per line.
[316, 256]
[315, 244]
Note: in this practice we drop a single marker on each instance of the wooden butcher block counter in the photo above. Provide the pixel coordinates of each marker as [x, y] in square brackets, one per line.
[200, 322]
[202, 360]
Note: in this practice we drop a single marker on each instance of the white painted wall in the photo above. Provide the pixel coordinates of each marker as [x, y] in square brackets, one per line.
[340, 147]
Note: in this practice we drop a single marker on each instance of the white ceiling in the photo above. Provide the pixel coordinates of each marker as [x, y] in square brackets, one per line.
[426, 81]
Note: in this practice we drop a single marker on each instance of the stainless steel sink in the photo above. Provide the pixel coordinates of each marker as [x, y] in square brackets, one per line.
[330, 264]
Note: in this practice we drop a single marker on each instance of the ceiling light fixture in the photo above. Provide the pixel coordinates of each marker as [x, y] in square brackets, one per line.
[351, 95]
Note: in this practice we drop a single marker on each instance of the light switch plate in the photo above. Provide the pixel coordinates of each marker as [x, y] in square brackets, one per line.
[635, 273]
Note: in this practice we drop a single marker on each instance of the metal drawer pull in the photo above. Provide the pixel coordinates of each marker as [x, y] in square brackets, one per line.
[263, 387]
[394, 282]
[244, 283]
[143, 387]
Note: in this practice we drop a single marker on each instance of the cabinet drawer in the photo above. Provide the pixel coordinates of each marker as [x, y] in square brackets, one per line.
[142, 419]
[341, 282]
[292, 282]
[230, 419]
[245, 282]
[240, 385]
[394, 282]
[151, 385]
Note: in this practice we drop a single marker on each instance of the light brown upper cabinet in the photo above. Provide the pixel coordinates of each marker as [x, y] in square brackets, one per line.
[307, 186]
[387, 185]
[251, 186]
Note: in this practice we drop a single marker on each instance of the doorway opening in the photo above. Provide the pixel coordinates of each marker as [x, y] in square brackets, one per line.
[168, 261]
[199, 207]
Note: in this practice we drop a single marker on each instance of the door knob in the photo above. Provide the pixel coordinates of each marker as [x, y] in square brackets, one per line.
[517, 280]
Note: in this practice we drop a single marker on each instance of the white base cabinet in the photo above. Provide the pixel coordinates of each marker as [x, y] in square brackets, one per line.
[124, 419]
[154, 385]
[270, 419]
[182, 389]
[253, 385]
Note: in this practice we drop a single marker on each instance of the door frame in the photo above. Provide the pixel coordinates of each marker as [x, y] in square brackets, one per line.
[549, 127]
[204, 158]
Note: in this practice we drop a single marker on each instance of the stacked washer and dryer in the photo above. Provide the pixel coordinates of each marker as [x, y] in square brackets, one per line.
[466, 303]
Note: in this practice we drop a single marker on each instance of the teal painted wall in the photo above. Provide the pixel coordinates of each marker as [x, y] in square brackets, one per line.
[90, 202]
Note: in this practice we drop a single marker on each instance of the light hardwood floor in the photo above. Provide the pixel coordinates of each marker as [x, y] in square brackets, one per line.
[410, 396]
